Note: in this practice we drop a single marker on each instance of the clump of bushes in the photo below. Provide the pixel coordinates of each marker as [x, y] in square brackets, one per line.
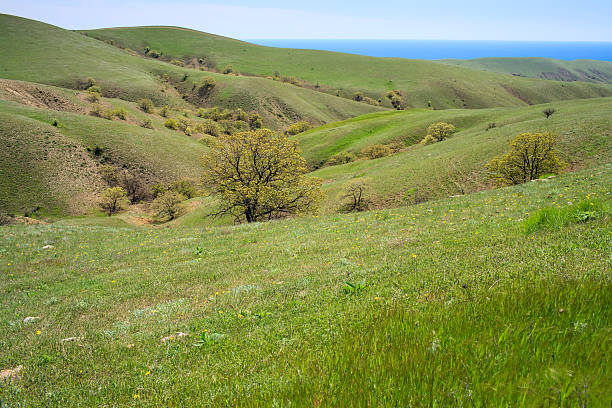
[206, 85]
[354, 196]
[109, 114]
[395, 97]
[490, 126]
[341, 158]
[184, 187]
[437, 132]
[171, 124]
[132, 185]
[177, 63]
[164, 111]
[228, 69]
[147, 124]
[376, 151]
[298, 127]
[153, 54]
[146, 105]
[167, 204]
[548, 112]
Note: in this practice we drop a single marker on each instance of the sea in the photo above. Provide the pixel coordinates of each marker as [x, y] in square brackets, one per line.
[454, 49]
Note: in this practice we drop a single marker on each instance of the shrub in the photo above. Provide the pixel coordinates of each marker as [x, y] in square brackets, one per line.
[55, 123]
[93, 97]
[228, 69]
[376, 151]
[531, 156]
[167, 204]
[210, 127]
[158, 189]
[113, 200]
[490, 126]
[164, 111]
[147, 123]
[548, 112]
[255, 121]
[354, 196]
[358, 96]
[396, 99]
[177, 62]
[146, 105]
[396, 147]
[98, 111]
[153, 54]
[370, 101]
[206, 85]
[184, 187]
[117, 113]
[298, 127]
[171, 124]
[341, 158]
[437, 132]
[95, 89]
[90, 82]
[110, 174]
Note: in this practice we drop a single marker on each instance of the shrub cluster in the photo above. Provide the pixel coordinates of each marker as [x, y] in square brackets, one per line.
[376, 151]
[146, 105]
[438, 132]
[298, 127]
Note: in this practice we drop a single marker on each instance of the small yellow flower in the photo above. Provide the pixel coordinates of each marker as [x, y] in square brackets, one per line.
[113, 281]
[136, 396]
[148, 373]
[414, 255]
[38, 332]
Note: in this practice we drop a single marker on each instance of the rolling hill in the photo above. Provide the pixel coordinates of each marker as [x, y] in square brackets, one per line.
[543, 68]
[41, 53]
[423, 83]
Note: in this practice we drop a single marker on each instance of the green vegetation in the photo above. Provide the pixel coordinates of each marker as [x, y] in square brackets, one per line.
[113, 200]
[268, 318]
[545, 68]
[421, 83]
[560, 216]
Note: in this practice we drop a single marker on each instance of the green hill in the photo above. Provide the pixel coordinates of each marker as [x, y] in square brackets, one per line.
[37, 52]
[454, 166]
[422, 82]
[544, 68]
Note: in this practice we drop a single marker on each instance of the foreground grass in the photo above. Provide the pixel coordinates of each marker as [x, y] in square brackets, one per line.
[270, 322]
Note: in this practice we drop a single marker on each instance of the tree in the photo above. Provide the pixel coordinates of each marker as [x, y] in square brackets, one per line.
[185, 188]
[438, 132]
[167, 204]
[548, 112]
[259, 175]
[353, 195]
[206, 85]
[531, 156]
[113, 200]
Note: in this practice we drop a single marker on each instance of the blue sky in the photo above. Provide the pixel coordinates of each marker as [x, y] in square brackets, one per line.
[560, 20]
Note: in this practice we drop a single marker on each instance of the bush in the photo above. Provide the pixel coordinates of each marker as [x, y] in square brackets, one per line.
[98, 111]
[376, 151]
[531, 156]
[177, 63]
[95, 89]
[396, 99]
[209, 127]
[396, 147]
[548, 112]
[167, 204]
[171, 124]
[206, 85]
[358, 96]
[298, 127]
[90, 82]
[341, 158]
[158, 189]
[110, 174]
[117, 113]
[490, 126]
[370, 101]
[437, 132]
[93, 97]
[228, 69]
[153, 54]
[146, 105]
[184, 187]
[255, 121]
[147, 123]
[164, 111]
[113, 200]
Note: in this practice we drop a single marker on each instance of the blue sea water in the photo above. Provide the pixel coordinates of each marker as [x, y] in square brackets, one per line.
[439, 49]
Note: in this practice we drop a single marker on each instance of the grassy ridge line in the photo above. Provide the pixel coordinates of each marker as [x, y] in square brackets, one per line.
[544, 68]
[422, 82]
[41, 53]
[274, 293]
[457, 165]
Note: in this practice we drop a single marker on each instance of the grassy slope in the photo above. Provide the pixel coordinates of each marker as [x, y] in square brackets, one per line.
[38, 52]
[422, 81]
[546, 68]
[288, 332]
[457, 164]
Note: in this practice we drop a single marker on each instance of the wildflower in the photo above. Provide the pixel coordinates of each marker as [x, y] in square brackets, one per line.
[414, 255]
[136, 396]
[38, 332]
[148, 373]
[113, 281]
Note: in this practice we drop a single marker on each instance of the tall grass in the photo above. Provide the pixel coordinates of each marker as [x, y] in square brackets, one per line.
[557, 217]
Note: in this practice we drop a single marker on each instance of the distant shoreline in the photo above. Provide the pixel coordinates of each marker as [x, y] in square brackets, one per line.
[451, 49]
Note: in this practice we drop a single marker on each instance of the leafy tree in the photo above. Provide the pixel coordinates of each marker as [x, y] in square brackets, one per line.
[354, 195]
[438, 132]
[158, 189]
[113, 200]
[167, 204]
[531, 156]
[146, 105]
[259, 175]
[185, 188]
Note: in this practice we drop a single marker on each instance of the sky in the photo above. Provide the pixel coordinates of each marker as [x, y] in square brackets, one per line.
[521, 20]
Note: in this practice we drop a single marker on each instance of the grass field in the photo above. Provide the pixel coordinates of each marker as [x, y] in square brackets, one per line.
[422, 82]
[451, 302]
[545, 68]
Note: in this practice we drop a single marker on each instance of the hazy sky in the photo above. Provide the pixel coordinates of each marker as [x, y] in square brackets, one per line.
[584, 20]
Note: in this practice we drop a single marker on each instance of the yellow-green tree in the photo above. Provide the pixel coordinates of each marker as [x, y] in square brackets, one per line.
[259, 175]
[113, 200]
[531, 156]
[167, 204]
